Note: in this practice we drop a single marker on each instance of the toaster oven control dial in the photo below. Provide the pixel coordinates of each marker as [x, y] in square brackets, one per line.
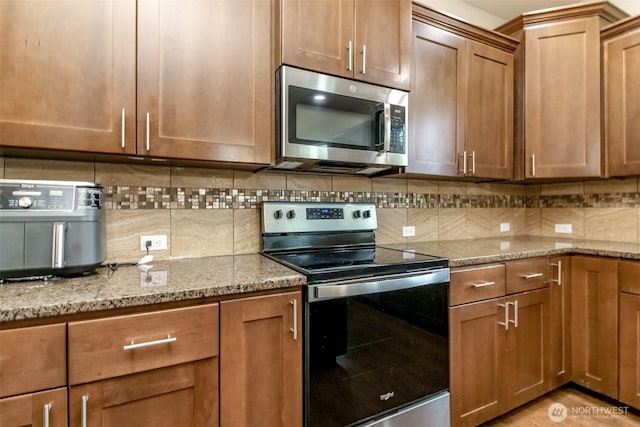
[25, 202]
[291, 214]
[277, 214]
[356, 214]
[366, 214]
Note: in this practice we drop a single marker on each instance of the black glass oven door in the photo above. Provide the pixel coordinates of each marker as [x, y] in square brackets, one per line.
[330, 120]
[367, 355]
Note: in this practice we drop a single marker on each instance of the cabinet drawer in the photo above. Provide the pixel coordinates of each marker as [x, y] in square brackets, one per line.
[32, 359]
[527, 275]
[628, 273]
[31, 409]
[476, 284]
[111, 347]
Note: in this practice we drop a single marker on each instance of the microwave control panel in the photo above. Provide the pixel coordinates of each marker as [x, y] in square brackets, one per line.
[398, 131]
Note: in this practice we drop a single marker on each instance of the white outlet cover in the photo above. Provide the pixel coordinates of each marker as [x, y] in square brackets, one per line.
[158, 242]
[505, 226]
[564, 228]
[408, 231]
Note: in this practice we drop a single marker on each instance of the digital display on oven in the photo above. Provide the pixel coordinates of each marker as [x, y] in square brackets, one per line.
[325, 213]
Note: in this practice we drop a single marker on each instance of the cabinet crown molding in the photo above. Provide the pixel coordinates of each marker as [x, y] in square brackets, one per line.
[462, 28]
[607, 12]
[620, 27]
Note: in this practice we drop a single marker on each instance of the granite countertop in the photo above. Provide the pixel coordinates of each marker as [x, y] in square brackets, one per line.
[128, 286]
[491, 250]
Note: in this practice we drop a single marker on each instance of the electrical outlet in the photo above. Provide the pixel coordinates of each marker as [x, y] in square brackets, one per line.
[409, 231]
[158, 242]
[563, 228]
[505, 226]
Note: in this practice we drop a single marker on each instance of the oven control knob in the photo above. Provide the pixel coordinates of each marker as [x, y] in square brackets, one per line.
[356, 214]
[277, 214]
[25, 202]
[366, 214]
[291, 214]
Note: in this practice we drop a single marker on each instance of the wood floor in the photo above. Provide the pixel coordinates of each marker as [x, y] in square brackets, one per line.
[582, 409]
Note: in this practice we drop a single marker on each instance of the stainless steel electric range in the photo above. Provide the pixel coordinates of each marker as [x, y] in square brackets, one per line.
[376, 350]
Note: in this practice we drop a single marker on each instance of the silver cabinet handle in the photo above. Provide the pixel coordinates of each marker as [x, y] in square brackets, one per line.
[46, 412]
[515, 313]
[85, 399]
[464, 162]
[364, 59]
[294, 330]
[533, 165]
[506, 316]
[169, 339]
[57, 253]
[123, 142]
[473, 162]
[148, 145]
[559, 279]
[482, 284]
[349, 47]
[531, 275]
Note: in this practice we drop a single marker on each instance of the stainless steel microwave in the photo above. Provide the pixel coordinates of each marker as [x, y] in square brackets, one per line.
[331, 124]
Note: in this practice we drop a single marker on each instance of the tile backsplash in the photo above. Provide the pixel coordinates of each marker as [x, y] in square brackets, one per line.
[207, 212]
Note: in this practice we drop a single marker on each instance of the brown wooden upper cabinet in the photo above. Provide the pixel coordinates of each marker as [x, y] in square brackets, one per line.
[461, 115]
[621, 49]
[203, 88]
[368, 40]
[558, 111]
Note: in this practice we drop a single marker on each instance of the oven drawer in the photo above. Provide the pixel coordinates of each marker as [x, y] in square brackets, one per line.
[527, 275]
[111, 347]
[476, 284]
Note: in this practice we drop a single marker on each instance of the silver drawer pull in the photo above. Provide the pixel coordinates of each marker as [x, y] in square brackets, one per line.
[531, 275]
[559, 279]
[169, 339]
[294, 330]
[83, 419]
[482, 284]
[506, 316]
[46, 411]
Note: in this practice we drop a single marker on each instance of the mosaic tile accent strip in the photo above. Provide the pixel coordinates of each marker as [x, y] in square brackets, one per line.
[125, 197]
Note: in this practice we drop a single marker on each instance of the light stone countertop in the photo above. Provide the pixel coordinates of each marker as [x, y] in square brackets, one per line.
[493, 250]
[128, 286]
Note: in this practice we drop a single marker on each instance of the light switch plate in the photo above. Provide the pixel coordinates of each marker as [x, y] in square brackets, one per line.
[505, 226]
[564, 228]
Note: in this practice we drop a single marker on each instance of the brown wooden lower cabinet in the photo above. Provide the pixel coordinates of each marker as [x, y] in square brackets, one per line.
[594, 323]
[182, 395]
[34, 408]
[630, 350]
[261, 361]
[498, 356]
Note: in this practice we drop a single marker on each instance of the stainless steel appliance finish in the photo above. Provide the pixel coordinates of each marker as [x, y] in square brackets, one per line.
[376, 349]
[50, 228]
[336, 125]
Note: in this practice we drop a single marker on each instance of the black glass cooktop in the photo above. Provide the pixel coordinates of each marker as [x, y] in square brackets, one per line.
[349, 263]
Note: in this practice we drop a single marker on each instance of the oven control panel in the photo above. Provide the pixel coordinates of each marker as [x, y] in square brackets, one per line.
[292, 217]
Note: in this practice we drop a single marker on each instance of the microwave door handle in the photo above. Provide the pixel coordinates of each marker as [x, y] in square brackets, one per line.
[379, 144]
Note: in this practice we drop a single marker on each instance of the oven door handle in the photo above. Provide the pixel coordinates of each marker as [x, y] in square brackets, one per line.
[350, 289]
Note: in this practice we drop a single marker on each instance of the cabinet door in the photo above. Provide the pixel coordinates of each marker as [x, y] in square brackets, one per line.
[630, 351]
[622, 134]
[562, 99]
[528, 341]
[477, 343]
[33, 409]
[437, 99]
[261, 361]
[316, 35]
[594, 322]
[383, 42]
[560, 312]
[182, 395]
[490, 113]
[67, 75]
[205, 80]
